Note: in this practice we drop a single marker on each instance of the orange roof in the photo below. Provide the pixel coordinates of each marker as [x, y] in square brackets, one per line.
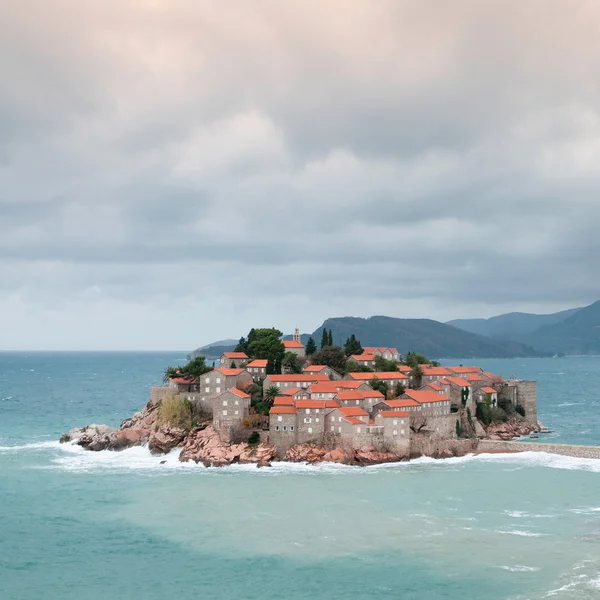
[444, 381]
[353, 411]
[235, 354]
[363, 357]
[329, 387]
[305, 377]
[425, 396]
[292, 391]
[489, 390]
[229, 372]
[393, 413]
[464, 370]
[314, 368]
[436, 371]
[404, 368]
[373, 348]
[371, 422]
[283, 401]
[382, 375]
[354, 421]
[183, 380]
[259, 362]
[459, 381]
[474, 378]
[492, 376]
[358, 394]
[283, 410]
[435, 386]
[292, 344]
[317, 403]
[239, 393]
[401, 403]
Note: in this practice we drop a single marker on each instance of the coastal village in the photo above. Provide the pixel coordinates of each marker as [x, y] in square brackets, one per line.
[404, 411]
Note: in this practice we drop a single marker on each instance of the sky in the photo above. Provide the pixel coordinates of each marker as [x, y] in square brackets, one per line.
[175, 172]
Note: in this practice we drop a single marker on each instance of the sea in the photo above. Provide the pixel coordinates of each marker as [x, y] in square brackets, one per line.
[128, 525]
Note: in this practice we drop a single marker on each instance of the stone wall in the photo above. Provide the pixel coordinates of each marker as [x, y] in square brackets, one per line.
[157, 393]
[527, 398]
[425, 445]
[562, 449]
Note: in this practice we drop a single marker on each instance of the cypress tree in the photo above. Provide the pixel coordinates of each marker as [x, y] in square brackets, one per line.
[324, 338]
[330, 338]
[311, 347]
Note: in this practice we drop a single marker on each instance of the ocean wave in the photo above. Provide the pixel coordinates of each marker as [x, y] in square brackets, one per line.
[30, 446]
[519, 568]
[520, 532]
[520, 514]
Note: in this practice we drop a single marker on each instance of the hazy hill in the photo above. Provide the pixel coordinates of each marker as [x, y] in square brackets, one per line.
[432, 338]
[511, 326]
[578, 334]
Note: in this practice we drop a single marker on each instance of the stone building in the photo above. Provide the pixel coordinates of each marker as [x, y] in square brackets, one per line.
[330, 389]
[257, 368]
[521, 393]
[396, 430]
[482, 395]
[392, 378]
[387, 353]
[297, 393]
[234, 360]
[230, 408]
[215, 382]
[432, 403]
[435, 374]
[310, 422]
[295, 347]
[282, 428]
[292, 380]
[364, 399]
[458, 388]
[407, 405]
[332, 374]
[365, 360]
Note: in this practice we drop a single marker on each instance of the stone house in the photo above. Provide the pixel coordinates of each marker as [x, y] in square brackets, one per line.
[310, 419]
[458, 386]
[282, 428]
[365, 399]
[181, 385]
[257, 368]
[435, 374]
[365, 360]
[482, 394]
[392, 378]
[432, 403]
[292, 380]
[283, 401]
[396, 430]
[329, 389]
[387, 353]
[295, 347]
[461, 371]
[408, 405]
[297, 393]
[352, 426]
[230, 408]
[234, 360]
[323, 370]
[214, 382]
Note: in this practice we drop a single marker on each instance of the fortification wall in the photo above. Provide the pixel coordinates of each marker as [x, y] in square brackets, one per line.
[425, 445]
[562, 449]
[527, 398]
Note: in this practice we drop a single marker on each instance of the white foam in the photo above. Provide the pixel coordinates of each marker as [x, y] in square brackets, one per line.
[520, 533]
[520, 568]
[520, 514]
[31, 446]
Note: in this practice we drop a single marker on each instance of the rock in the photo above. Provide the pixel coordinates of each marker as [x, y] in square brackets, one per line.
[339, 455]
[263, 463]
[129, 437]
[165, 438]
[93, 437]
[367, 456]
[445, 453]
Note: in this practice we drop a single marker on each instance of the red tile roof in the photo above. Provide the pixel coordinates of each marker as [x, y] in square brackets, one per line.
[354, 421]
[317, 403]
[363, 357]
[301, 377]
[329, 387]
[393, 414]
[283, 410]
[474, 378]
[459, 381]
[292, 391]
[259, 362]
[372, 349]
[236, 355]
[183, 380]
[489, 390]
[426, 396]
[401, 403]
[435, 386]
[292, 344]
[314, 368]
[283, 401]
[382, 375]
[239, 393]
[493, 377]
[436, 371]
[229, 372]
[353, 411]
[444, 381]
[464, 370]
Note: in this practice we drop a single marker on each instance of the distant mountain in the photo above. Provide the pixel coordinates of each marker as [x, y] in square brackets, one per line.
[511, 326]
[578, 334]
[432, 338]
[214, 350]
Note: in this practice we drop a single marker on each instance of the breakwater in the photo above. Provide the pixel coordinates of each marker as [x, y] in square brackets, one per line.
[562, 449]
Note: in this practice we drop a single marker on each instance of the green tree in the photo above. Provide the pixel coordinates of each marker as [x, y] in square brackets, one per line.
[192, 370]
[311, 347]
[330, 338]
[271, 393]
[332, 356]
[242, 345]
[352, 346]
[417, 376]
[324, 338]
[400, 389]
[292, 363]
[412, 359]
[383, 365]
[379, 385]
[465, 396]
[265, 344]
[170, 373]
[458, 429]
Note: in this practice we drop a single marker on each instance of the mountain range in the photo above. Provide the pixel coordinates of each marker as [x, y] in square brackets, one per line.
[511, 335]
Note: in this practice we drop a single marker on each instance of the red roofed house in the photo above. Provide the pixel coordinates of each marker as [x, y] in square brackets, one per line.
[387, 353]
[230, 408]
[297, 393]
[392, 378]
[215, 382]
[257, 368]
[366, 360]
[282, 428]
[364, 399]
[293, 380]
[404, 404]
[329, 389]
[233, 359]
[435, 374]
[485, 393]
[322, 370]
[458, 388]
[432, 403]
[295, 346]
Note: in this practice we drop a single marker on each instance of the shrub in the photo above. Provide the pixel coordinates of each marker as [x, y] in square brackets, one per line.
[458, 429]
[484, 413]
[454, 408]
[520, 409]
[498, 415]
[176, 412]
[470, 419]
[254, 438]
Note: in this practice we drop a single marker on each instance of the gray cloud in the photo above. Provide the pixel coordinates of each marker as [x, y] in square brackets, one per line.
[173, 173]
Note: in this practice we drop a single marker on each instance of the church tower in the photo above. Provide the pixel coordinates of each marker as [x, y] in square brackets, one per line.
[296, 336]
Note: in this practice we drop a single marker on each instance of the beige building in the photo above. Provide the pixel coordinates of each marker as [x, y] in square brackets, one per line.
[396, 430]
[257, 368]
[392, 378]
[365, 360]
[234, 360]
[215, 382]
[230, 408]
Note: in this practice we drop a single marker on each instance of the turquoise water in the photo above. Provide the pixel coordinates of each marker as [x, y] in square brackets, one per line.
[75, 524]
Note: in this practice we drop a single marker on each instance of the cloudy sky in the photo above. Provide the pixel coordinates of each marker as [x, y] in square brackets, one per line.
[173, 172]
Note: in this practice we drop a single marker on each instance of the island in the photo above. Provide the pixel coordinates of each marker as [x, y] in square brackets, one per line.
[275, 399]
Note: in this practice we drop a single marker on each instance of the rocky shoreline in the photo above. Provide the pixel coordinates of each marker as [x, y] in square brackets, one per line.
[203, 445]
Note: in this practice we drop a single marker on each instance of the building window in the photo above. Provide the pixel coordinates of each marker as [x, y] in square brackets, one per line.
[339, 419]
[358, 430]
[218, 380]
[280, 418]
[285, 427]
[224, 413]
[276, 427]
[218, 390]
[308, 420]
[291, 428]
[310, 430]
[224, 402]
[317, 420]
[332, 428]
[358, 402]
[237, 412]
[339, 430]
[207, 390]
[308, 411]
[395, 432]
[207, 380]
[402, 431]
[236, 402]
